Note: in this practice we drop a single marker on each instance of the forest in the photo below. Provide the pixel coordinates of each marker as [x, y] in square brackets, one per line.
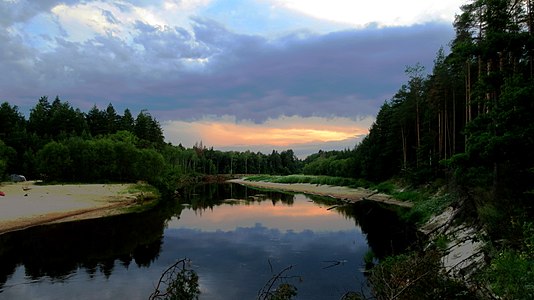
[468, 123]
[60, 143]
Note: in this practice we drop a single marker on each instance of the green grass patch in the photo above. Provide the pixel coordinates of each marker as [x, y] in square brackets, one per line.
[511, 275]
[425, 206]
[319, 180]
[442, 242]
[142, 188]
[386, 187]
[413, 196]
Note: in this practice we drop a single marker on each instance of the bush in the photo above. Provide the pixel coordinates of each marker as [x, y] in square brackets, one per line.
[415, 276]
[386, 187]
[424, 207]
[511, 276]
[177, 283]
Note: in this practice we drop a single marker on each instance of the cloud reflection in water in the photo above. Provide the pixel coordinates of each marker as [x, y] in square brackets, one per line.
[231, 247]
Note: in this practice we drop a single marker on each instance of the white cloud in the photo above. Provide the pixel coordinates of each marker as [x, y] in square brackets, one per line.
[381, 12]
[86, 20]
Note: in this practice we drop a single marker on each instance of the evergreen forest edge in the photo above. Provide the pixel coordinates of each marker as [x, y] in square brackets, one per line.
[467, 126]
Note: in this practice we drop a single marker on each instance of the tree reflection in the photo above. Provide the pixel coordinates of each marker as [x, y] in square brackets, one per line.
[386, 233]
[207, 196]
[58, 250]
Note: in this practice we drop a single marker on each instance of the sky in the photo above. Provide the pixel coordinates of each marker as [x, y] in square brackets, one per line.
[233, 74]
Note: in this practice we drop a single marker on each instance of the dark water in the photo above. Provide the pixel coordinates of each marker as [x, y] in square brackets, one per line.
[235, 246]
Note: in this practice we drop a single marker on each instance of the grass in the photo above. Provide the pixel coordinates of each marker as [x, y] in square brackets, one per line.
[442, 242]
[425, 206]
[146, 197]
[319, 180]
[143, 188]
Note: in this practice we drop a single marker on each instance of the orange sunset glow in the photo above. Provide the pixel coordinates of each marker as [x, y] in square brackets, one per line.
[222, 134]
[228, 217]
[282, 132]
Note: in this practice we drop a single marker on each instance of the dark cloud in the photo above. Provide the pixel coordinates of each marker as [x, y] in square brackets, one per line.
[169, 43]
[210, 70]
[346, 73]
[110, 18]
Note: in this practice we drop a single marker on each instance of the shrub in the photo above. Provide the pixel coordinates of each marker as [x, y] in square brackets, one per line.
[511, 276]
[415, 276]
[177, 283]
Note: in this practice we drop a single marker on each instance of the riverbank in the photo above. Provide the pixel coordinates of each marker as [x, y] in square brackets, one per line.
[28, 204]
[346, 194]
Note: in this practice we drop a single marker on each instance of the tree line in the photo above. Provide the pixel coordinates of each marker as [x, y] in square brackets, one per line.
[61, 143]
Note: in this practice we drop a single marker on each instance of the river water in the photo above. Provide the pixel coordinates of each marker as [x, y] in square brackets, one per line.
[235, 237]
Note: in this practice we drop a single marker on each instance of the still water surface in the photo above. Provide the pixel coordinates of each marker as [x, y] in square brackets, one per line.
[235, 237]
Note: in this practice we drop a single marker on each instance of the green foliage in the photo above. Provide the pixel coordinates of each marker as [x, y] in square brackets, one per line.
[317, 180]
[492, 217]
[283, 291]
[415, 276]
[511, 275]
[369, 257]
[148, 130]
[3, 167]
[54, 160]
[102, 145]
[141, 187]
[332, 163]
[7, 154]
[441, 242]
[424, 206]
[178, 282]
[415, 196]
[386, 187]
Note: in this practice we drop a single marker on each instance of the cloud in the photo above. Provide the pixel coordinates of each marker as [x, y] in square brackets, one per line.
[17, 11]
[379, 12]
[184, 66]
[347, 73]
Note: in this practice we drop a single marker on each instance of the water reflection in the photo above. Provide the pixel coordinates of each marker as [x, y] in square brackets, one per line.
[234, 264]
[233, 235]
[386, 233]
[207, 196]
[56, 251]
[308, 216]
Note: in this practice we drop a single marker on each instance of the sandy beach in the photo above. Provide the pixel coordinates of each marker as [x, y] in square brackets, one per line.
[27, 204]
[339, 192]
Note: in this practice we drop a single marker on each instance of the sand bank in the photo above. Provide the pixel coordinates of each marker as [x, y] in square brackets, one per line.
[340, 192]
[27, 204]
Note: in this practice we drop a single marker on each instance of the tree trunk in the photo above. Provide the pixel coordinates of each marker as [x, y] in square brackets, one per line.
[404, 149]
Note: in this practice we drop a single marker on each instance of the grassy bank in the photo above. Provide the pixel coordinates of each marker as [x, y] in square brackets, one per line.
[319, 180]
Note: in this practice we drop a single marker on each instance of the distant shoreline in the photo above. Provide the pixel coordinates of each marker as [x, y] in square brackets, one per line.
[349, 195]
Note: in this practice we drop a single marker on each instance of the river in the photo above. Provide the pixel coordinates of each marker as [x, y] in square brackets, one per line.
[235, 237]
